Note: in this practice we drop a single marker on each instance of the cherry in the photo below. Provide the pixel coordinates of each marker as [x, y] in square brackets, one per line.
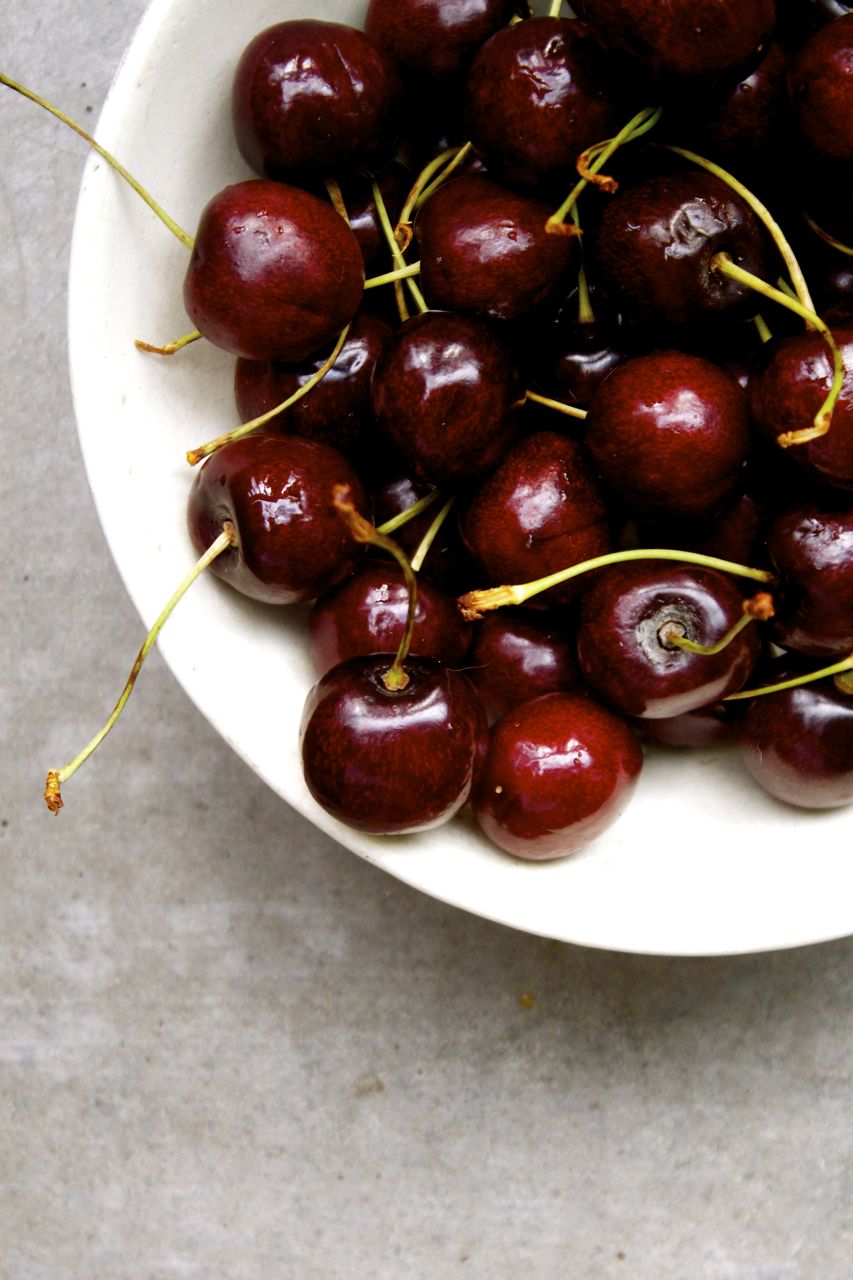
[391, 762]
[631, 620]
[559, 770]
[821, 87]
[367, 614]
[786, 395]
[540, 511]
[535, 98]
[442, 391]
[277, 492]
[798, 743]
[748, 124]
[315, 100]
[657, 240]
[690, 43]
[337, 411]
[274, 274]
[434, 40]
[573, 359]
[812, 549]
[448, 561]
[731, 532]
[669, 433]
[484, 250]
[704, 727]
[394, 183]
[513, 660]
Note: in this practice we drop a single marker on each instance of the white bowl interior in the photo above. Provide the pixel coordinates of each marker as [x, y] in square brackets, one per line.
[702, 862]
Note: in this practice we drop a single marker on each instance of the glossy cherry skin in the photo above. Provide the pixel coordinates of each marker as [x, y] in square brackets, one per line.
[821, 88]
[434, 39]
[277, 491]
[367, 614]
[683, 42]
[390, 763]
[448, 561]
[798, 744]
[656, 241]
[315, 100]
[791, 389]
[394, 183]
[514, 660]
[622, 646]
[539, 512]
[274, 273]
[704, 727]
[337, 410]
[559, 770]
[669, 433]
[574, 359]
[751, 118]
[535, 98]
[442, 391]
[484, 250]
[812, 549]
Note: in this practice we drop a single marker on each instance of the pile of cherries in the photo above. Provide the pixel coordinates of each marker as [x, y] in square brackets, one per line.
[543, 382]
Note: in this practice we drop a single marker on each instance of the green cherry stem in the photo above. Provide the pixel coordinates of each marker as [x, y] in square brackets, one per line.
[362, 530]
[757, 608]
[762, 213]
[475, 603]
[639, 124]
[421, 182]
[336, 197]
[388, 277]
[827, 238]
[195, 456]
[56, 777]
[570, 410]
[430, 536]
[837, 669]
[397, 254]
[403, 517]
[110, 159]
[556, 6]
[762, 328]
[170, 347]
[723, 263]
[458, 159]
[586, 315]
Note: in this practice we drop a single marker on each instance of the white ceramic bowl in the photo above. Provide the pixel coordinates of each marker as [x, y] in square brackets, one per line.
[702, 862]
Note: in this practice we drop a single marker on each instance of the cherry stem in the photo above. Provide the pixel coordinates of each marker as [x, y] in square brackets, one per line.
[763, 214]
[837, 669]
[459, 159]
[823, 418]
[403, 517]
[203, 451]
[570, 410]
[586, 315]
[556, 6]
[422, 181]
[362, 530]
[336, 196]
[397, 254]
[757, 608]
[110, 159]
[639, 124]
[402, 273]
[430, 535]
[762, 328]
[170, 347]
[56, 777]
[475, 603]
[827, 238]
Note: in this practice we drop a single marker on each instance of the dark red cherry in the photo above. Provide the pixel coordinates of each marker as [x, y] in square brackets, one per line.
[448, 562]
[394, 184]
[559, 770]
[392, 762]
[316, 100]
[539, 512]
[442, 391]
[514, 660]
[434, 39]
[624, 645]
[367, 614]
[572, 360]
[747, 125]
[337, 410]
[798, 744]
[274, 273]
[683, 42]
[277, 492]
[731, 532]
[656, 241]
[704, 727]
[812, 549]
[535, 98]
[791, 390]
[669, 433]
[821, 88]
[484, 250]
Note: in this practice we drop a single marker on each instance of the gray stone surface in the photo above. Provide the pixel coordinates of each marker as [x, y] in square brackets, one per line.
[229, 1049]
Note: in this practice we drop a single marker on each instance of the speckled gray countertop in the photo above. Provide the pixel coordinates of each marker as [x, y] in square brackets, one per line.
[228, 1048]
